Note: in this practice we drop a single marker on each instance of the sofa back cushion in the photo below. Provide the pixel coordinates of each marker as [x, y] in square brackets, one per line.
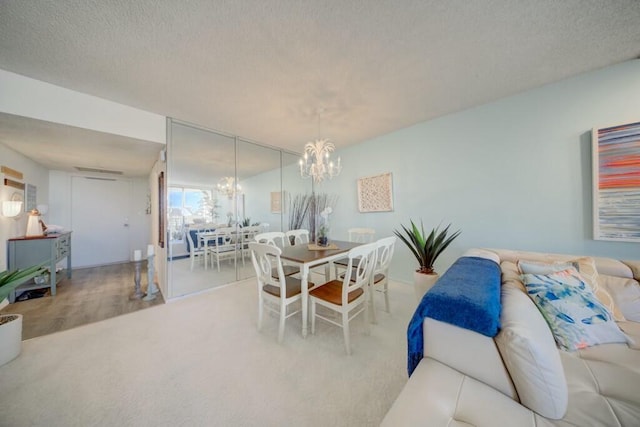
[626, 294]
[530, 354]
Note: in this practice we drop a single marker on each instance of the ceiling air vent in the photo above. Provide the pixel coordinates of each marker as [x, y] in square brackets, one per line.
[81, 169]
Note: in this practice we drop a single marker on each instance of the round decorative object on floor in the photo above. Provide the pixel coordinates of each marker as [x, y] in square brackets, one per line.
[423, 282]
[10, 337]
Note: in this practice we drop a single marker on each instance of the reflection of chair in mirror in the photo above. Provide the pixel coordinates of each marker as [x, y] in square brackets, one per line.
[297, 237]
[277, 239]
[224, 245]
[349, 295]
[248, 235]
[357, 235]
[277, 292]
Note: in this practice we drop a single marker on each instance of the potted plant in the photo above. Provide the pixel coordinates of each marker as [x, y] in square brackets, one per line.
[426, 249]
[11, 324]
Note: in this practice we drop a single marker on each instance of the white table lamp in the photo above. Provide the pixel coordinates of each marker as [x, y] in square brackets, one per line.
[34, 226]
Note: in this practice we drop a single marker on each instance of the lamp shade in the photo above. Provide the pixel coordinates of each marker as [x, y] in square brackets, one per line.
[11, 208]
[34, 227]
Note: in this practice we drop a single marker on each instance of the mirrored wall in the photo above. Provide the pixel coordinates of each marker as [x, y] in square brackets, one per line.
[222, 190]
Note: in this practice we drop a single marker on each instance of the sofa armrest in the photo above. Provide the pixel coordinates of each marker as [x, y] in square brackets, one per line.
[450, 345]
[437, 395]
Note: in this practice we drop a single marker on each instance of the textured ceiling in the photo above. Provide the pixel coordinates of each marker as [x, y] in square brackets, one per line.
[261, 69]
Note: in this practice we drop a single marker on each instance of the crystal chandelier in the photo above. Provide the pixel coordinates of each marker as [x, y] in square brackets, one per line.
[316, 161]
[228, 187]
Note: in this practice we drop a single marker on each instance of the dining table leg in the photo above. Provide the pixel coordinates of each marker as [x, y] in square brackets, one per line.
[305, 298]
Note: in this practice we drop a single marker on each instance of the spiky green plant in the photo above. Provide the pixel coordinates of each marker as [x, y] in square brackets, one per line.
[425, 248]
[9, 280]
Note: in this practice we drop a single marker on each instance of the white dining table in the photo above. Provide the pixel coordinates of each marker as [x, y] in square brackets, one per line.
[306, 259]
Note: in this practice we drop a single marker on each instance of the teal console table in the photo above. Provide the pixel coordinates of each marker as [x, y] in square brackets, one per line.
[23, 252]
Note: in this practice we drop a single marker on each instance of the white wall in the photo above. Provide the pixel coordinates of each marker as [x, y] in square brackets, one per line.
[34, 174]
[139, 221]
[258, 190]
[515, 173]
[27, 97]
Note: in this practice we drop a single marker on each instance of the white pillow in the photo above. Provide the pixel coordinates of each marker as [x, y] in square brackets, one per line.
[531, 356]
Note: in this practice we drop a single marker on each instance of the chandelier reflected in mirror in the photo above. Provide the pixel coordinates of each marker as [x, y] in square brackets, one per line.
[316, 161]
[228, 187]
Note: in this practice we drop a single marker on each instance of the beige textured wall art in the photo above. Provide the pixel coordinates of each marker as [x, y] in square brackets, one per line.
[375, 193]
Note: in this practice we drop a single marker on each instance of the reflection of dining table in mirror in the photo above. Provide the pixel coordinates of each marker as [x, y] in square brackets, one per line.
[223, 242]
[306, 259]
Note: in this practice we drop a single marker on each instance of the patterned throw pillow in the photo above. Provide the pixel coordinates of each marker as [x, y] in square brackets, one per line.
[586, 266]
[575, 316]
[537, 267]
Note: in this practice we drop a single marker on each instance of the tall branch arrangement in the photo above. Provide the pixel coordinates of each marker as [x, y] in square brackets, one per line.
[306, 208]
[319, 202]
[298, 209]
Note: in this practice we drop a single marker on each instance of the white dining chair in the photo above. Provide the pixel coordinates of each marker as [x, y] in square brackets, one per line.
[247, 235]
[274, 293]
[196, 251]
[357, 235]
[224, 246]
[278, 240]
[297, 237]
[380, 277]
[275, 238]
[347, 297]
[361, 235]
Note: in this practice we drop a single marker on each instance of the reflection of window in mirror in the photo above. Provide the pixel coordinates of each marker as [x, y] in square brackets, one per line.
[191, 206]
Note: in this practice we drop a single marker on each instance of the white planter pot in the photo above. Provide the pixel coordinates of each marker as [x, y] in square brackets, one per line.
[423, 282]
[10, 338]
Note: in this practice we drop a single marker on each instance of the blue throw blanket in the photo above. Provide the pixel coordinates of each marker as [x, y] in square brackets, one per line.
[467, 295]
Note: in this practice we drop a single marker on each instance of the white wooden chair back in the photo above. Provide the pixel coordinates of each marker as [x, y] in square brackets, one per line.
[385, 253]
[274, 238]
[361, 271]
[265, 257]
[361, 235]
[300, 236]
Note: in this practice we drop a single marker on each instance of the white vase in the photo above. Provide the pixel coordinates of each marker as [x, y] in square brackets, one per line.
[423, 282]
[10, 338]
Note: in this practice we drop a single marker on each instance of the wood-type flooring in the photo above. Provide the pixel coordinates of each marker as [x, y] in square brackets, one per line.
[91, 295]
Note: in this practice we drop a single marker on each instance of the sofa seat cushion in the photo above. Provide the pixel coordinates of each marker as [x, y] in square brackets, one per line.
[604, 385]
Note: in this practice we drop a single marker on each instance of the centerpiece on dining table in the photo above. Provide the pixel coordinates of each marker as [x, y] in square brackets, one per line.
[322, 234]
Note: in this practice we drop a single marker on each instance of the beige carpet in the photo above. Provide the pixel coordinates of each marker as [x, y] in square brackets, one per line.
[200, 361]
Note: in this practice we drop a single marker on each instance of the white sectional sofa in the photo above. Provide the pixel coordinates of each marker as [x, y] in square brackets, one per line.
[520, 377]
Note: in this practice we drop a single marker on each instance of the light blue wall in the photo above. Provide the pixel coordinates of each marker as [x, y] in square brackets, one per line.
[515, 173]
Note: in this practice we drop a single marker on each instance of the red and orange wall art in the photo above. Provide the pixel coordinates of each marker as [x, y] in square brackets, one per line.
[616, 182]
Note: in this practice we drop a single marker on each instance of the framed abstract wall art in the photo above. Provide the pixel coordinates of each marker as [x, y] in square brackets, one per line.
[616, 182]
[375, 193]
